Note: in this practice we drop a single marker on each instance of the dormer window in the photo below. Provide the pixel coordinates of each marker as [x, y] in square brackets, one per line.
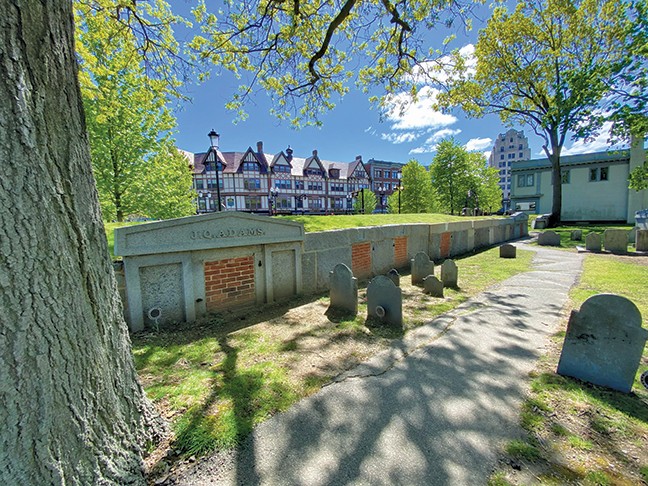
[250, 166]
[281, 169]
[334, 173]
[314, 172]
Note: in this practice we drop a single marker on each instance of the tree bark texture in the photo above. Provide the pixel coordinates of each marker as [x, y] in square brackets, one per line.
[71, 408]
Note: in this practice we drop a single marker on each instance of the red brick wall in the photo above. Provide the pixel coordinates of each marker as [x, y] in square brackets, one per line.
[446, 240]
[400, 252]
[229, 283]
[361, 259]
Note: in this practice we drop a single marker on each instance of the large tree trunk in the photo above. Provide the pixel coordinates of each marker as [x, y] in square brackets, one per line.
[71, 408]
[556, 179]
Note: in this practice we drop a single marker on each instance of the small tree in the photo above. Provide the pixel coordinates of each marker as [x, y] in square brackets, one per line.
[488, 194]
[452, 176]
[549, 64]
[417, 195]
[369, 199]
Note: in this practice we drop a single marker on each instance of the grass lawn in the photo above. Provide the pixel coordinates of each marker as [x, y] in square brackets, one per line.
[110, 235]
[216, 379]
[579, 433]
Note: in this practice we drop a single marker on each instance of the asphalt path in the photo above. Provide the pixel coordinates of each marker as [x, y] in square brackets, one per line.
[433, 410]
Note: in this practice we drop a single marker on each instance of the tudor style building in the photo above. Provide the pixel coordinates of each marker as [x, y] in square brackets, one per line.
[256, 182]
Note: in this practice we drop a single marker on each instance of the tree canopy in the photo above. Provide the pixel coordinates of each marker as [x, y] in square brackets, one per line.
[416, 194]
[548, 64]
[128, 116]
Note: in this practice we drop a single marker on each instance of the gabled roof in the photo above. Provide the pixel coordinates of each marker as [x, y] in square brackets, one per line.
[573, 160]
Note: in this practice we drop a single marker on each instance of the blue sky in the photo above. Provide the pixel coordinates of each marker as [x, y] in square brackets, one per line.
[353, 128]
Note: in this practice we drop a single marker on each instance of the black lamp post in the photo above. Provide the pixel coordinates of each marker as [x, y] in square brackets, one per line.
[273, 200]
[213, 140]
[400, 188]
[381, 191]
[349, 202]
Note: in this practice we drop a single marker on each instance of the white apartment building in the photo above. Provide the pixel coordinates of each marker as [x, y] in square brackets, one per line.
[509, 147]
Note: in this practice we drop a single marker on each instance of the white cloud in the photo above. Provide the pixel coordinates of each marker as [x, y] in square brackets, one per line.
[440, 70]
[406, 114]
[487, 154]
[598, 144]
[476, 144]
[397, 138]
[430, 145]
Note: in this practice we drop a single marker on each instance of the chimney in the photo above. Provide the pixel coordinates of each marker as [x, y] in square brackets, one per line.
[289, 153]
[260, 147]
[358, 157]
[314, 153]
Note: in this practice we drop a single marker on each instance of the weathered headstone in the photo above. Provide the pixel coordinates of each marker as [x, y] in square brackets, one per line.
[593, 242]
[449, 274]
[641, 243]
[604, 342]
[508, 251]
[385, 301]
[549, 238]
[433, 286]
[422, 266]
[394, 276]
[615, 240]
[343, 289]
[576, 235]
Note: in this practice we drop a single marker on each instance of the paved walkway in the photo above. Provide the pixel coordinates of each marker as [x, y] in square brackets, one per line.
[435, 409]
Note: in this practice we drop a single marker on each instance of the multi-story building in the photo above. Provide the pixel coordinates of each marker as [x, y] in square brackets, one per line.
[509, 147]
[254, 181]
[385, 178]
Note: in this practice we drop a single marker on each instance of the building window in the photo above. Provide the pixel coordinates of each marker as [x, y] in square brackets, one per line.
[502, 148]
[315, 203]
[252, 184]
[564, 177]
[283, 184]
[387, 174]
[281, 168]
[337, 188]
[502, 157]
[525, 180]
[251, 166]
[314, 172]
[200, 184]
[252, 203]
[299, 185]
[521, 155]
[284, 203]
[314, 186]
[520, 147]
[599, 174]
[211, 183]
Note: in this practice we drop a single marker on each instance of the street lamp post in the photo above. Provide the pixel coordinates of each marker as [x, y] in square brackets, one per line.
[400, 188]
[381, 191]
[272, 200]
[349, 199]
[213, 140]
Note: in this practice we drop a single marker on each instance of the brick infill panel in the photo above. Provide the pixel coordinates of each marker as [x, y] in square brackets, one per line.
[446, 241]
[400, 252]
[361, 259]
[229, 283]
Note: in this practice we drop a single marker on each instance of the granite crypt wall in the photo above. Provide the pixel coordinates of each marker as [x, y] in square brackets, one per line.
[177, 270]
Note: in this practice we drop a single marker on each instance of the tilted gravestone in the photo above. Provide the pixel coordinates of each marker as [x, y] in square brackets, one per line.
[449, 274]
[577, 235]
[549, 238]
[394, 276]
[508, 251]
[422, 266]
[641, 244]
[385, 301]
[343, 289]
[433, 286]
[604, 342]
[615, 240]
[593, 242]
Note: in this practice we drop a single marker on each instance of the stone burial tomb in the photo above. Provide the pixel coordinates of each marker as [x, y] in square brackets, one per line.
[344, 290]
[507, 251]
[433, 286]
[385, 302]
[449, 274]
[178, 269]
[604, 342]
[549, 238]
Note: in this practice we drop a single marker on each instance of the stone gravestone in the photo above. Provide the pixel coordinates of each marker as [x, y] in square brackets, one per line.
[549, 238]
[343, 289]
[604, 342]
[615, 240]
[449, 274]
[593, 242]
[422, 266]
[394, 276]
[641, 243]
[508, 251]
[385, 301]
[577, 235]
[433, 286]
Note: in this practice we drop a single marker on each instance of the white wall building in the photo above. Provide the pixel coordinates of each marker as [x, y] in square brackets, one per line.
[509, 147]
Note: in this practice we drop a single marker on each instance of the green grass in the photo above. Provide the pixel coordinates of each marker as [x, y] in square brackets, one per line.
[110, 235]
[333, 222]
[520, 449]
[217, 385]
[604, 426]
